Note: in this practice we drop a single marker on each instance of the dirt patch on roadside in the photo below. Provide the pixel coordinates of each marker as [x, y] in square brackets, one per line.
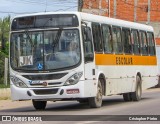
[5, 93]
[9, 104]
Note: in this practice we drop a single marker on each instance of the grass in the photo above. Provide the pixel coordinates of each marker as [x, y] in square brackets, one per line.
[4, 86]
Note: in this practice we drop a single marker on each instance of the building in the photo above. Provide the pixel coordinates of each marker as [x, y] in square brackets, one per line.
[141, 11]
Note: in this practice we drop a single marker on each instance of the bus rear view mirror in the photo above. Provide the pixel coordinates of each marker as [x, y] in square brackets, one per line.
[87, 32]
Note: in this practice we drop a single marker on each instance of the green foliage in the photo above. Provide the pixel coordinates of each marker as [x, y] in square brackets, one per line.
[4, 32]
[4, 86]
[2, 61]
[4, 49]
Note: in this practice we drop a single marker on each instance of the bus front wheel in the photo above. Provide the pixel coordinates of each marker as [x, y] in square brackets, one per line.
[127, 97]
[96, 102]
[39, 105]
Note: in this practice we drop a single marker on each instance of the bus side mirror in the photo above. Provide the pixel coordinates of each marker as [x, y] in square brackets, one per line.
[87, 32]
[89, 56]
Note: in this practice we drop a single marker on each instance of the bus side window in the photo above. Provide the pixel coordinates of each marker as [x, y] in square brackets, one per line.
[151, 43]
[107, 41]
[144, 44]
[136, 43]
[126, 38]
[87, 44]
[96, 32]
[117, 42]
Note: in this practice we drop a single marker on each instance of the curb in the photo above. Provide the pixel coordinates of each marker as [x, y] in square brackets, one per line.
[5, 93]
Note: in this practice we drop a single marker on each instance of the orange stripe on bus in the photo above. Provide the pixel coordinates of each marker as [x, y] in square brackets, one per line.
[108, 59]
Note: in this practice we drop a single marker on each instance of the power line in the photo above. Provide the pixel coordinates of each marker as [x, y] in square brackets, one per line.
[39, 3]
[67, 6]
[12, 12]
[37, 12]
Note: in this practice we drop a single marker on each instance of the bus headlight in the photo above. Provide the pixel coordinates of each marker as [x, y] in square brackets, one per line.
[73, 79]
[17, 82]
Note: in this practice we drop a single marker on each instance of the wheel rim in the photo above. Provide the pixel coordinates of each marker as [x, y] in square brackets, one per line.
[139, 91]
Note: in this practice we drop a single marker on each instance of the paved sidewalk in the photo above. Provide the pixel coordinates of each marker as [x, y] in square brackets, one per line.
[9, 104]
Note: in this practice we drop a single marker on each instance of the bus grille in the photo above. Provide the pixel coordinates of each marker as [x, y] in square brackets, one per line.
[49, 84]
[45, 76]
[45, 91]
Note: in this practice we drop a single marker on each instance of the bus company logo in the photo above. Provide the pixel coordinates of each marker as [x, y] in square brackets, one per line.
[44, 84]
[6, 118]
[38, 83]
[34, 82]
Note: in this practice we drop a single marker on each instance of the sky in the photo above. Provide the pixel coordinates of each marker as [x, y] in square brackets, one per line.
[17, 7]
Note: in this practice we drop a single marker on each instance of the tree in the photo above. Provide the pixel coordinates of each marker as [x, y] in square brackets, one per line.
[4, 38]
[4, 31]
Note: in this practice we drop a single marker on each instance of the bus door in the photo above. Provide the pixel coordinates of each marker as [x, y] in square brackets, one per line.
[88, 52]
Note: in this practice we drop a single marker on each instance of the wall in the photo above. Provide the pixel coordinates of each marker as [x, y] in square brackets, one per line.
[142, 11]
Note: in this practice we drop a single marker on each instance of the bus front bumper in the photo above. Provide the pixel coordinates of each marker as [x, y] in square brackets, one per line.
[83, 89]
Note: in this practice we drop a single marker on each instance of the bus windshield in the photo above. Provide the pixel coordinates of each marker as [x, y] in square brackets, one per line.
[45, 50]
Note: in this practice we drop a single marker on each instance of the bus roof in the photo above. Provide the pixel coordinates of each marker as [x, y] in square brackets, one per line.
[116, 22]
[98, 18]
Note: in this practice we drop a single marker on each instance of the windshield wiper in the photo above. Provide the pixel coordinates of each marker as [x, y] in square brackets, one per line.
[30, 40]
[57, 37]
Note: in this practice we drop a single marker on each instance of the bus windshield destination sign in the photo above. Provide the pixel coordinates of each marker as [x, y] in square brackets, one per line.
[45, 21]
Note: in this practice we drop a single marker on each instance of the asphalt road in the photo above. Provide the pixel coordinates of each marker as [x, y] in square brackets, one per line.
[112, 105]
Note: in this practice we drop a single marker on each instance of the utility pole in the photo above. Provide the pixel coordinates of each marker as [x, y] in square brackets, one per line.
[6, 71]
[100, 7]
[115, 8]
[109, 7]
[80, 5]
[149, 7]
[135, 10]
[46, 6]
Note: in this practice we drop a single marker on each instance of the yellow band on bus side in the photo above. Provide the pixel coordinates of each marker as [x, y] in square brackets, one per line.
[108, 59]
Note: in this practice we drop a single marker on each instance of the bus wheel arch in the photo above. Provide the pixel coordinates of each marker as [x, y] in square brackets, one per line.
[139, 74]
[96, 102]
[136, 95]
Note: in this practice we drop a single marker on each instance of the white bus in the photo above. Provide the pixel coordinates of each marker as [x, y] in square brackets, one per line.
[78, 56]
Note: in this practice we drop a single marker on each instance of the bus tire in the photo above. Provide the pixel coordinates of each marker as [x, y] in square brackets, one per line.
[158, 85]
[39, 105]
[96, 102]
[136, 96]
[127, 97]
